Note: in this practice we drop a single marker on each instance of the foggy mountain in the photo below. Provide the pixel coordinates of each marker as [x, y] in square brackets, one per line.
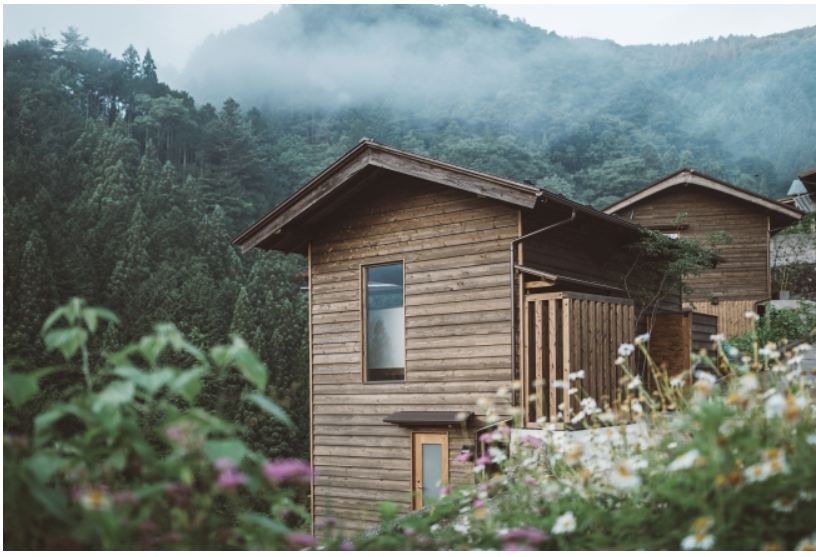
[752, 97]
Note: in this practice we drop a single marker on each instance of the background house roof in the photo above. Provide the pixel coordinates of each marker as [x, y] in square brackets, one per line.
[782, 215]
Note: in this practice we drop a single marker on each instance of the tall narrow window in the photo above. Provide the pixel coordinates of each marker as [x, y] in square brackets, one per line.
[384, 323]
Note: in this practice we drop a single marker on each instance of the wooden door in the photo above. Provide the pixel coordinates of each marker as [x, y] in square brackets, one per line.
[430, 466]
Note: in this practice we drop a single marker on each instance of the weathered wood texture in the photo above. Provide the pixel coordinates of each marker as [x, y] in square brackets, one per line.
[744, 273]
[676, 336]
[588, 249]
[455, 248]
[566, 332]
[730, 314]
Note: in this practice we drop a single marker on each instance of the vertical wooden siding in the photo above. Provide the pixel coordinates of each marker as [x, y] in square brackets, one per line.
[571, 331]
[457, 316]
[731, 315]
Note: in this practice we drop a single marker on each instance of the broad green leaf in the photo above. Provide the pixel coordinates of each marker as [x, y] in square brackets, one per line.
[188, 384]
[66, 341]
[389, 511]
[251, 368]
[43, 466]
[55, 315]
[106, 314]
[211, 422]
[194, 351]
[270, 408]
[18, 387]
[89, 315]
[220, 355]
[265, 522]
[55, 502]
[44, 420]
[151, 381]
[115, 394]
[118, 460]
[151, 347]
[233, 449]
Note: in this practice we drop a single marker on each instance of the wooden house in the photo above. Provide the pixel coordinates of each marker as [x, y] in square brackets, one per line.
[430, 286]
[742, 277]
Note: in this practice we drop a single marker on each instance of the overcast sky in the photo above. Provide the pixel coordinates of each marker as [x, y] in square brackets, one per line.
[173, 31]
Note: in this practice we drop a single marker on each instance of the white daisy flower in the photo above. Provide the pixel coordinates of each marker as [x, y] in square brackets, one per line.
[642, 338]
[811, 439]
[497, 455]
[626, 349]
[697, 541]
[684, 461]
[784, 504]
[634, 383]
[577, 375]
[624, 475]
[564, 524]
[677, 381]
[807, 544]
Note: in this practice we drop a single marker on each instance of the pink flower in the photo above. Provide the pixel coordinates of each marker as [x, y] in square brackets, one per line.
[484, 459]
[464, 457]
[224, 464]
[514, 547]
[532, 441]
[176, 433]
[408, 532]
[478, 503]
[300, 540]
[444, 490]
[529, 535]
[292, 470]
[486, 437]
[346, 546]
[229, 479]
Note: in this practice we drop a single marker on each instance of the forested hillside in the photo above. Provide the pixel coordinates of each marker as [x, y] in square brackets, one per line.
[467, 85]
[126, 192]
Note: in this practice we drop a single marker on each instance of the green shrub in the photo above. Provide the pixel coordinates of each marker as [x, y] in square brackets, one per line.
[726, 462]
[782, 325]
[131, 462]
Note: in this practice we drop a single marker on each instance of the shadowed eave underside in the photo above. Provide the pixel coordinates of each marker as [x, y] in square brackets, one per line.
[289, 226]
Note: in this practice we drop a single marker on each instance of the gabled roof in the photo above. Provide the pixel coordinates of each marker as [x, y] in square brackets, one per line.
[783, 215]
[287, 226]
[808, 179]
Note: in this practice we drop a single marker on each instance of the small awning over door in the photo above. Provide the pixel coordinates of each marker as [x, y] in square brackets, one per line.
[428, 418]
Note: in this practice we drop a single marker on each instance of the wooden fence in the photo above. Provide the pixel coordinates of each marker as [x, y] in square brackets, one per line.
[564, 332]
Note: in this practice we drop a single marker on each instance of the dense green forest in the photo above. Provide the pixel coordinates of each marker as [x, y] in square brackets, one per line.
[126, 192]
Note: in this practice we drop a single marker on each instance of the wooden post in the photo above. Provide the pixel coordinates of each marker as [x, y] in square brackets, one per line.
[552, 329]
[539, 357]
[565, 351]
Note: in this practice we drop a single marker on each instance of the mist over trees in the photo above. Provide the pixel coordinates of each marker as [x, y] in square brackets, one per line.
[729, 102]
[126, 192]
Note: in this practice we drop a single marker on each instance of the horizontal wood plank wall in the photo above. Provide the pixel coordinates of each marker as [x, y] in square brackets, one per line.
[743, 275]
[457, 318]
[730, 314]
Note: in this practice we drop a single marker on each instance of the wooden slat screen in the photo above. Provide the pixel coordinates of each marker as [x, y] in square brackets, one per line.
[569, 331]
